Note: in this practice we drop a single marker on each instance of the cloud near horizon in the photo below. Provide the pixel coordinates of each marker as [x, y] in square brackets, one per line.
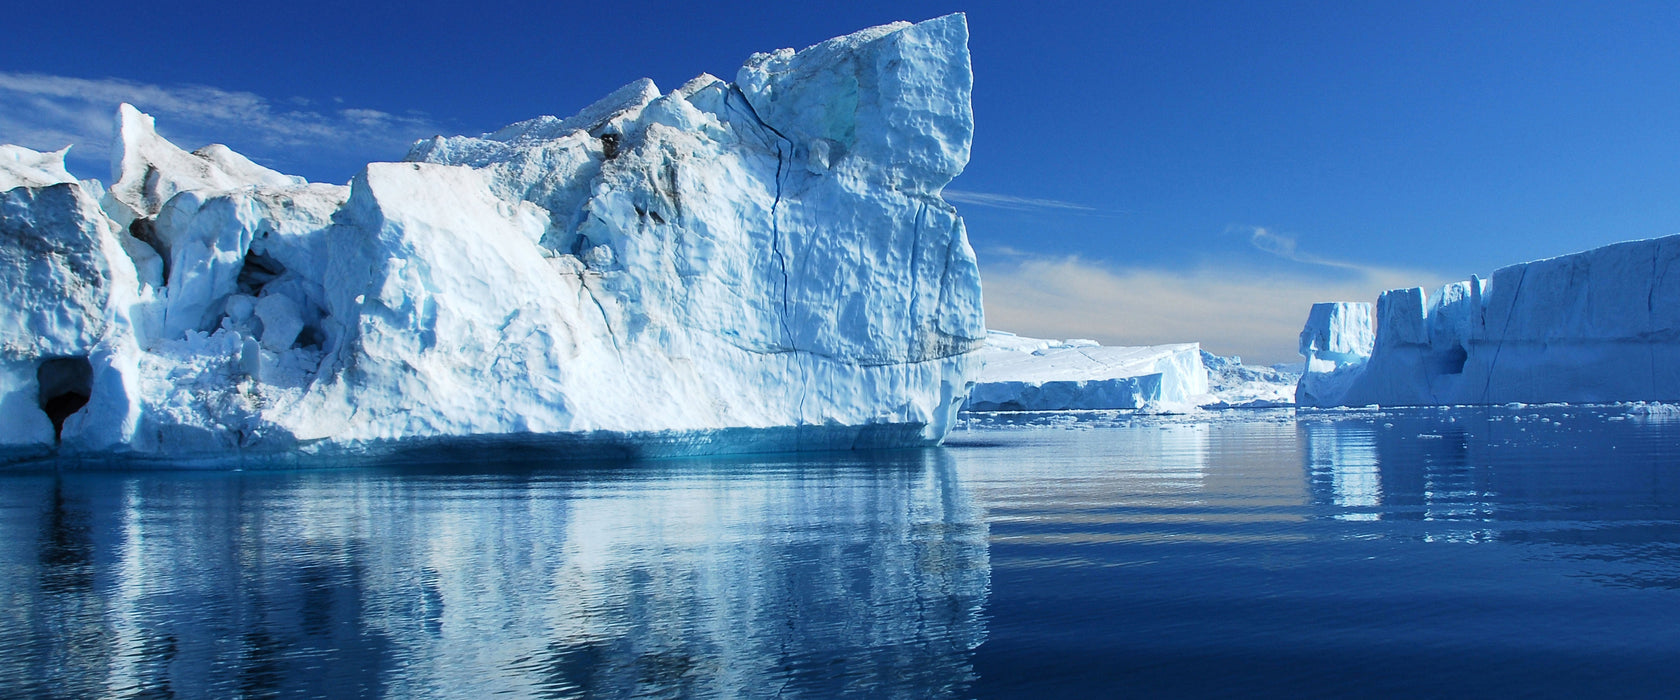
[1229, 309]
[48, 112]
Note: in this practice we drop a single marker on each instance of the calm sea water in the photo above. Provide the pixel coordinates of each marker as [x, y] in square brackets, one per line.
[1500, 552]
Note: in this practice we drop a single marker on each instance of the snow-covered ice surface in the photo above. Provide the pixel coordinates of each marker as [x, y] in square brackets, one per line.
[1597, 326]
[22, 167]
[1033, 374]
[759, 265]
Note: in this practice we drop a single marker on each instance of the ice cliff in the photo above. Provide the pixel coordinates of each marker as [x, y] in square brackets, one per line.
[763, 264]
[1597, 326]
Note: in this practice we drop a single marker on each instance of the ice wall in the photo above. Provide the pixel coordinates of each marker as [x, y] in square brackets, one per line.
[771, 254]
[1032, 374]
[1597, 326]
[1336, 343]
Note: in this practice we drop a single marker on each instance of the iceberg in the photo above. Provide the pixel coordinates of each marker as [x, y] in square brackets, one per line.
[1032, 374]
[1592, 327]
[1336, 343]
[1231, 384]
[766, 264]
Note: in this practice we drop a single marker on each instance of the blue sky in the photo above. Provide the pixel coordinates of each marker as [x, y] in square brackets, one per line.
[1142, 172]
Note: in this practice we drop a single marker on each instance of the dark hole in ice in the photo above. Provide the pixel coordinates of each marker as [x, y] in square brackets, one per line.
[257, 271]
[66, 383]
[310, 335]
[145, 231]
[609, 146]
[1451, 361]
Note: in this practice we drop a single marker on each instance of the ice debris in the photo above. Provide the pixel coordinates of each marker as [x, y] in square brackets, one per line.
[764, 264]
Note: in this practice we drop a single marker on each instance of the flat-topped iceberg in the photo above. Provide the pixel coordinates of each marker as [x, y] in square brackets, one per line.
[1597, 326]
[1033, 374]
[764, 264]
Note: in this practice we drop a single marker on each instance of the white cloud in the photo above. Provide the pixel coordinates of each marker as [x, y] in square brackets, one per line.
[1006, 201]
[1284, 246]
[1231, 310]
[1277, 244]
[47, 112]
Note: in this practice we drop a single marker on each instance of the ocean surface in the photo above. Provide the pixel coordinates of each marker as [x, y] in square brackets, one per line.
[1504, 552]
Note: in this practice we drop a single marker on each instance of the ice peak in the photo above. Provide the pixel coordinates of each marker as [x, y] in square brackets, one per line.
[147, 169]
[23, 167]
[860, 94]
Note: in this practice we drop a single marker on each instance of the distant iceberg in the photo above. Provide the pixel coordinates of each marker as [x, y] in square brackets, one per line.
[1597, 326]
[1231, 384]
[764, 264]
[1033, 374]
[1036, 374]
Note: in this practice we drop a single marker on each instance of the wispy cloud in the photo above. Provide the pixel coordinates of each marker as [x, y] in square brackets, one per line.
[1284, 246]
[1007, 201]
[1229, 308]
[48, 112]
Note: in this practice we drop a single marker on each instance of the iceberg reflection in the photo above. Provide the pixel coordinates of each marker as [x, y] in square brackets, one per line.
[1409, 467]
[1469, 474]
[864, 574]
[1075, 488]
[1342, 469]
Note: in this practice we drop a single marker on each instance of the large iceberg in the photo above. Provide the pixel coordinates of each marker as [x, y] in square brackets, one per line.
[1032, 374]
[764, 264]
[1597, 326]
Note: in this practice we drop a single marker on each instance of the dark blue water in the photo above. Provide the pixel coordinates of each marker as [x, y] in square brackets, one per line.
[1503, 552]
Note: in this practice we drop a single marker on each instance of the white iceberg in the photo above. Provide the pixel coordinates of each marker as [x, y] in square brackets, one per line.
[1033, 374]
[766, 264]
[1597, 326]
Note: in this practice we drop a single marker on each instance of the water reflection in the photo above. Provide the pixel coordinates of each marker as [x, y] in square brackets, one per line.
[1342, 469]
[1572, 478]
[1495, 553]
[1417, 469]
[1055, 491]
[863, 575]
